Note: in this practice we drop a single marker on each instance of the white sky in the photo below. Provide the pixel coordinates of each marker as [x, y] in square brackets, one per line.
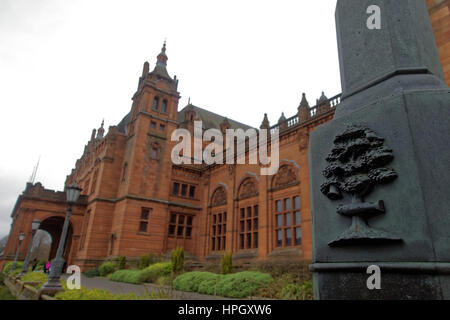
[65, 65]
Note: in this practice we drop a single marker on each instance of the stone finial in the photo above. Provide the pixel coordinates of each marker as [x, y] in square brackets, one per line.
[101, 131]
[282, 122]
[94, 132]
[145, 69]
[162, 57]
[323, 98]
[265, 123]
[304, 112]
[323, 104]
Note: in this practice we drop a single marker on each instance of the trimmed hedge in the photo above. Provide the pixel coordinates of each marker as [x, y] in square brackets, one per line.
[237, 285]
[155, 271]
[128, 276]
[191, 281]
[107, 268]
[242, 284]
[150, 274]
[92, 273]
[209, 285]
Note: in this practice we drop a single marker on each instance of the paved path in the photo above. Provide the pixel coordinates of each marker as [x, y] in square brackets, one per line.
[139, 290]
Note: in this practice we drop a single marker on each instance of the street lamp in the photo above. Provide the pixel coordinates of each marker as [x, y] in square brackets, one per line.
[21, 237]
[53, 284]
[34, 227]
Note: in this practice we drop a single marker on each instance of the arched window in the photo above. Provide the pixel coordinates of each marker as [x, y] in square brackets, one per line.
[218, 219]
[248, 214]
[155, 103]
[288, 230]
[164, 106]
[286, 207]
[155, 151]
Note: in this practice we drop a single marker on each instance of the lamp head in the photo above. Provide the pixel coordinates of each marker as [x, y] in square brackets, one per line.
[21, 236]
[73, 193]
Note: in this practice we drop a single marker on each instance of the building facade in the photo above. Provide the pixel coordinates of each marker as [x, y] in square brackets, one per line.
[440, 20]
[136, 201]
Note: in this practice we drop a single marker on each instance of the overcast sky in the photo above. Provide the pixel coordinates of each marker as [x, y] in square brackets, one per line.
[66, 65]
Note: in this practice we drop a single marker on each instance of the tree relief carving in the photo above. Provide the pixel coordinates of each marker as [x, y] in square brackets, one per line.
[357, 163]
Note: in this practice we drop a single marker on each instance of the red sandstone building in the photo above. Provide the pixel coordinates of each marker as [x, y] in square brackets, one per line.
[135, 201]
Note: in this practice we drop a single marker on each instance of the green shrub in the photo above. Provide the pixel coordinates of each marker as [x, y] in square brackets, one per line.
[107, 268]
[155, 271]
[209, 284]
[2, 279]
[8, 266]
[298, 291]
[242, 284]
[122, 262]
[35, 277]
[92, 273]
[144, 261]
[165, 281]
[128, 276]
[191, 281]
[153, 258]
[177, 258]
[237, 285]
[226, 264]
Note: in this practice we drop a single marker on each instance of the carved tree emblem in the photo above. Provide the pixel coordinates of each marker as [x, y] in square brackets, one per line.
[357, 163]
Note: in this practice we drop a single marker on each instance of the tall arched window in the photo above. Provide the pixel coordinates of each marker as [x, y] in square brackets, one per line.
[218, 220]
[248, 212]
[286, 207]
[164, 106]
[155, 103]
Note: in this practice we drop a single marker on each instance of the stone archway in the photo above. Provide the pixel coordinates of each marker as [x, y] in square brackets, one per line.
[53, 225]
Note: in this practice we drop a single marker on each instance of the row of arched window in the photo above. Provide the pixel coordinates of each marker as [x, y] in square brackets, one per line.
[157, 107]
[284, 212]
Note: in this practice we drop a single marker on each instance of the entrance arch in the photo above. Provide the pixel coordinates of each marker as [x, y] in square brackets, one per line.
[54, 225]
